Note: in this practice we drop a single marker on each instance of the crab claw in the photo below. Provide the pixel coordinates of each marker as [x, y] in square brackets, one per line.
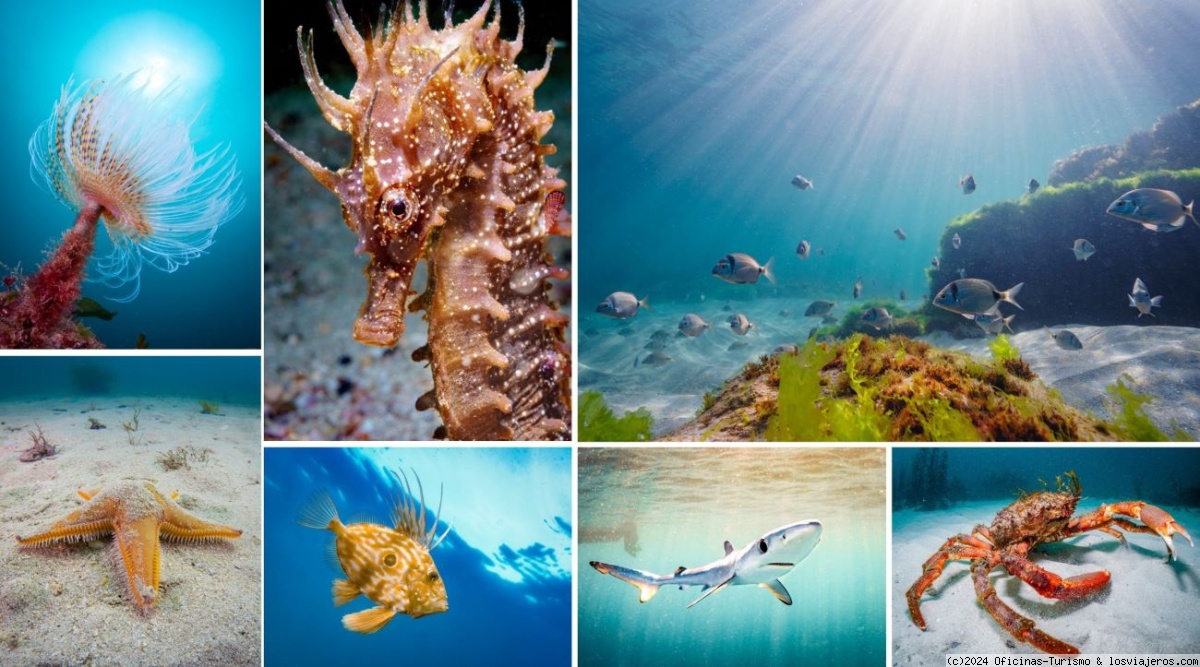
[1164, 525]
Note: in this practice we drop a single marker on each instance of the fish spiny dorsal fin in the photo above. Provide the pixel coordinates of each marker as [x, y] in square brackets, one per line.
[728, 547]
[409, 513]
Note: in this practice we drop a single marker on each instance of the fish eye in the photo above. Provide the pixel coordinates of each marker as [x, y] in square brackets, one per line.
[433, 576]
[762, 546]
[389, 560]
[396, 205]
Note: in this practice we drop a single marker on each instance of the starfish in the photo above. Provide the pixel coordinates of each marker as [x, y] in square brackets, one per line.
[137, 516]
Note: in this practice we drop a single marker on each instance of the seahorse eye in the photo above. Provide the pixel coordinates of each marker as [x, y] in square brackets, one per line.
[389, 560]
[399, 208]
[396, 205]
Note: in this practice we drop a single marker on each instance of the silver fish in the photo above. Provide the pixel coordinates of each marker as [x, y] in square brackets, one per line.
[994, 323]
[691, 325]
[740, 324]
[936, 263]
[956, 241]
[1141, 300]
[803, 249]
[786, 347]
[621, 305]
[829, 319]
[877, 317]
[900, 233]
[818, 308]
[970, 296]
[1083, 249]
[1156, 210]
[1033, 186]
[742, 269]
[858, 288]
[656, 345]
[967, 183]
[1067, 340]
[656, 358]
[802, 183]
[737, 345]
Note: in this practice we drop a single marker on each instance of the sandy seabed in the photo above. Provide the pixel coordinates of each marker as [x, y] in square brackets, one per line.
[1149, 606]
[70, 604]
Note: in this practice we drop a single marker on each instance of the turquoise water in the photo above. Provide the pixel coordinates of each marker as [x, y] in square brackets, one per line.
[682, 504]
[212, 49]
[227, 381]
[694, 117]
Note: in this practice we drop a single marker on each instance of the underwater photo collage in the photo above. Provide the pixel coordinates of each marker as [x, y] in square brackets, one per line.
[865, 333]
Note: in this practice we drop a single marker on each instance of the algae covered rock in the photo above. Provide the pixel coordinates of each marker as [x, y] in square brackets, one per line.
[1172, 143]
[867, 389]
[1029, 241]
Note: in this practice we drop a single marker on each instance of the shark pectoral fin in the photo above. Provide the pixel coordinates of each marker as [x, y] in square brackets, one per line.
[710, 591]
[368, 621]
[775, 587]
[343, 592]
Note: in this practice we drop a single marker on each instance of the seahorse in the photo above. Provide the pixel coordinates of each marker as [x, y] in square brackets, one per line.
[447, 166]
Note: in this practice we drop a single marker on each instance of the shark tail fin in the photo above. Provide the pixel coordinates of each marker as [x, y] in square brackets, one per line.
[646, 589]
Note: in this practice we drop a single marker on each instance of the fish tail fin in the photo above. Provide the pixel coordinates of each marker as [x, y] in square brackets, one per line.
[1010, 294]
[644, 302]
[1008, 324]
[1188, 210]
[768, 271]
[319, 512]
[646, 589]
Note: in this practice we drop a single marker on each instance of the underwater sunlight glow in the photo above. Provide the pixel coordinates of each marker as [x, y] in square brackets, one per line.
[161, 48]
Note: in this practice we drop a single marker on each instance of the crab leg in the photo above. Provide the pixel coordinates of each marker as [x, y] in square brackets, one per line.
[1157, 521]
[1047, 583]
[1017, 625]
[959, 547]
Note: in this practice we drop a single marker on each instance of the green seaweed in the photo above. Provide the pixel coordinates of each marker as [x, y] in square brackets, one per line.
[1003, 349]
[1131, 421]
[803, 414]
[598, 423]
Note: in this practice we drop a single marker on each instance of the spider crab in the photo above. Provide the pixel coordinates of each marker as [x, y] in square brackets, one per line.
[1039, 518]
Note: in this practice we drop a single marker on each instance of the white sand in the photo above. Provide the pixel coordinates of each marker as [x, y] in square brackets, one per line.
[69, 605]
[1148, 606]
[1162, 361]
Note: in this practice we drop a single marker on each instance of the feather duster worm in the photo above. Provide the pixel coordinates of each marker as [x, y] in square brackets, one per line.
[120, 156]
[447, 166]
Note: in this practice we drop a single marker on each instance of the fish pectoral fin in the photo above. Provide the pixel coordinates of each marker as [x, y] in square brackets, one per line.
[710, 591]
[1153, 228]
[343, 592]
[368, 621]
[775, 587]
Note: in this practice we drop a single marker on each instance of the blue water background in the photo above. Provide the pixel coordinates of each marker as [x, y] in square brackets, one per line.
[492, 619]
[685, 502]
[1162, 476]
[227, 381]
[696, 115]
[214, 301]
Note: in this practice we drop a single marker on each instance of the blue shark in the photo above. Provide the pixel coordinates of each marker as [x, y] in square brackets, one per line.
[761, 562]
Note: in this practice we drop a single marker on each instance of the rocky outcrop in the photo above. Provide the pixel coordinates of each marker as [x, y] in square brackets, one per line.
[1172, 143]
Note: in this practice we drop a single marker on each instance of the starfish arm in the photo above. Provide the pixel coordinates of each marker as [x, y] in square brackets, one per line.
[137, 543]
[93, 521]
[178, 525]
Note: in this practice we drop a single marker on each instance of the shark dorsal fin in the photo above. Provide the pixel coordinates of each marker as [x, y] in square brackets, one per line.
[728, 548]
[679, 570]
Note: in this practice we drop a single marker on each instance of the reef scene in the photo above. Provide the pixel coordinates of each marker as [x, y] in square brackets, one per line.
[1063, 309]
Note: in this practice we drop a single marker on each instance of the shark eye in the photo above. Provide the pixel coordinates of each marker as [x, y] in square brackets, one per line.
[762, 546]
[389, 560]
